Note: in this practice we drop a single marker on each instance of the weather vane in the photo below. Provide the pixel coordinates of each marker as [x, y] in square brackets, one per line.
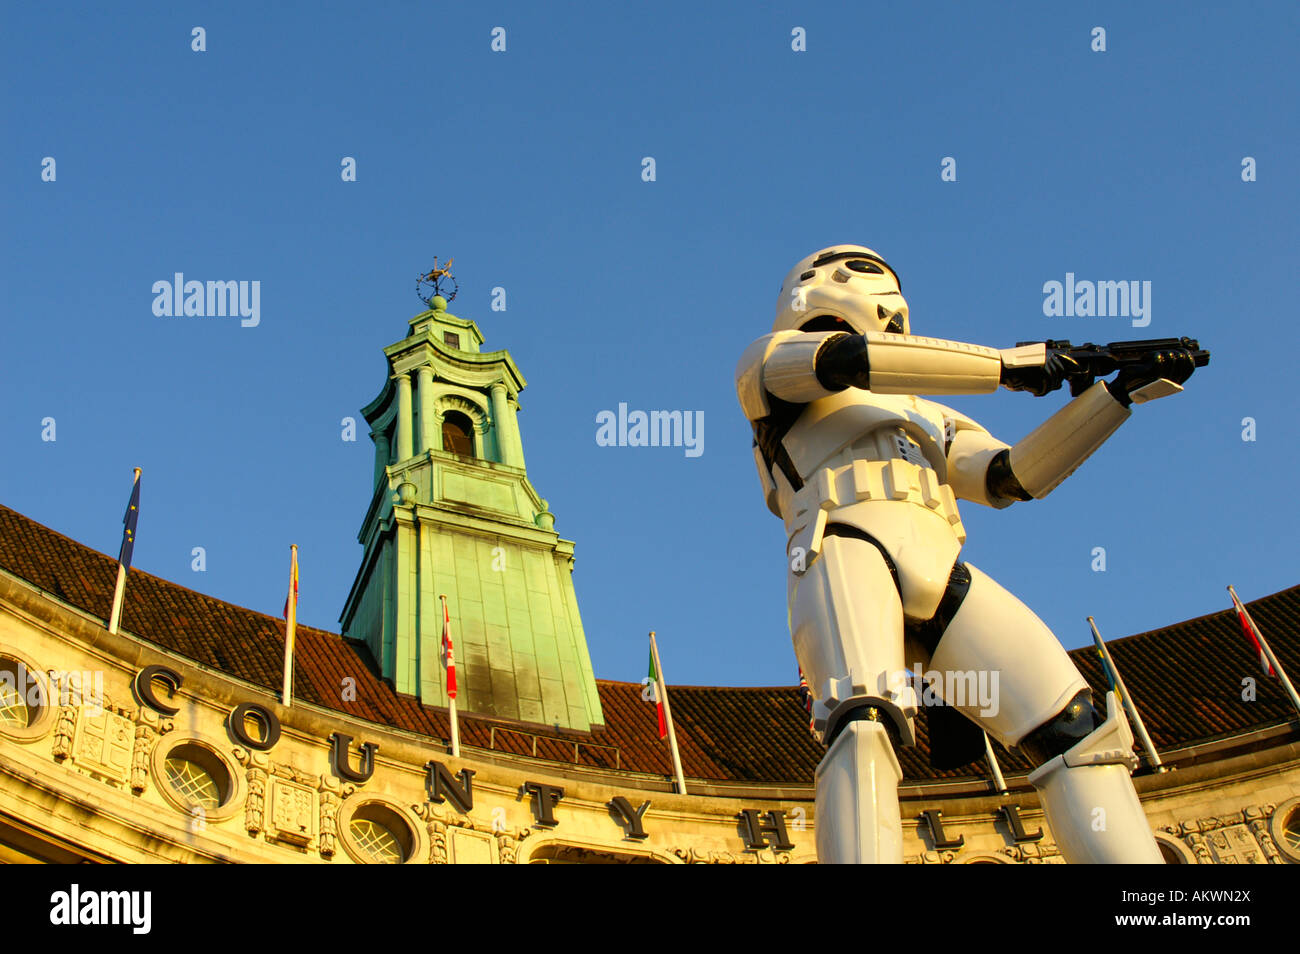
[436, 281]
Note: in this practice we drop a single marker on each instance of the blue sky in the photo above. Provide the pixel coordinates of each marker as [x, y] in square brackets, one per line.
[526, 166]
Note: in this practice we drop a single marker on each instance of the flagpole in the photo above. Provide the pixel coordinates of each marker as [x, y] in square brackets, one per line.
[119, 593]
[993, 766]
[668, 717]
[291, 625]
[451, 698]
[119, 589]
[1126, 700]
[1268, 650]
[455, 728]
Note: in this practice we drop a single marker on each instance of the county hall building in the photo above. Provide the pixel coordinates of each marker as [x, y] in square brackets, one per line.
[168, 740]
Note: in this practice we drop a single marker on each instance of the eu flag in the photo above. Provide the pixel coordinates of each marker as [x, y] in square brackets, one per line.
[128, 525]
[1110, 677]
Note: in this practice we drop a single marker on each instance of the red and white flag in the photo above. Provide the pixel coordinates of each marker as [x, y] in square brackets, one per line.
[1248, 627]
[448, 656]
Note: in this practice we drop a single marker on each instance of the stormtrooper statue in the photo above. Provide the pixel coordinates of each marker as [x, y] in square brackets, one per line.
[866, 476]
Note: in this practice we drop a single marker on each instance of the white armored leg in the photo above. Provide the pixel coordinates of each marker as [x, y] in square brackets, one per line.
[1083, 781]
[847, 624]
[857, 799]
[1089, 799]
[997, 642]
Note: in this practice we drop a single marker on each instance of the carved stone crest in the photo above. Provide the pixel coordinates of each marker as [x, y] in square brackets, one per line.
[293, 811]
[460, 839]
[105, 743]
[1239, 838]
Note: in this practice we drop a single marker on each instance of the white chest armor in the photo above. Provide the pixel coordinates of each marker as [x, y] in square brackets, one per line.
[874, 426]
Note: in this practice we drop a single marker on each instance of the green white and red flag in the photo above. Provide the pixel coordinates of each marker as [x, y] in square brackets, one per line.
[656, 696]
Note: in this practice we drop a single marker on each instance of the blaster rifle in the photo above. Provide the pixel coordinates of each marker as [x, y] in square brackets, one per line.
[1097, 361]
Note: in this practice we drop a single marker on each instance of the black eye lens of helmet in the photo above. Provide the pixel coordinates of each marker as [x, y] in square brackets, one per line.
[865, 266]
[835, 256]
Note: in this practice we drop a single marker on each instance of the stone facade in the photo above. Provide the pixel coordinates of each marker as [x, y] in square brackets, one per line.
[89, 777]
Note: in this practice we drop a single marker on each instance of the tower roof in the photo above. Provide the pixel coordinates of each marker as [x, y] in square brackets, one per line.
[453, 514]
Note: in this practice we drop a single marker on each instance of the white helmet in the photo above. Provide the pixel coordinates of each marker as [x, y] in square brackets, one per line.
[846, 287]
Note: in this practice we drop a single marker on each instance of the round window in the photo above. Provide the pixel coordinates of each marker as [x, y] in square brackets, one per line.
[383, 836]
[21, 696]
[1291, 831]
[197, 776]
[1284, 826]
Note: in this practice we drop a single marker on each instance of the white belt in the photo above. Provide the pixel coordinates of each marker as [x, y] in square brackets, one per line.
[879, 480]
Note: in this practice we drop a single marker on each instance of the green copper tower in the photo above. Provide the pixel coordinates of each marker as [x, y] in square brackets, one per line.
[453, 513]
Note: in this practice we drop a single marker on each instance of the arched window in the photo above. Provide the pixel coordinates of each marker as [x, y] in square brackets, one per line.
[458, 434]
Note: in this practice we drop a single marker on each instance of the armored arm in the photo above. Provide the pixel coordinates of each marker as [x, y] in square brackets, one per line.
[1054, 450]
[972, 452]
[800, 367]
[786, 369]
[988, 471]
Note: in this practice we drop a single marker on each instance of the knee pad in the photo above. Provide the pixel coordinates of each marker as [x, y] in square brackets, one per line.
[1079, 736]
[865, 709]
[1087, 795]
[1065, 730]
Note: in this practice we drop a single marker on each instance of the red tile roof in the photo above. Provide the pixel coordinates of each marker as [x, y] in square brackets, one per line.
[1186, 678]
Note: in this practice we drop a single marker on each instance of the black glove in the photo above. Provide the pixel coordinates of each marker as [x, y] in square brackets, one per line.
[1043, 378]
[1175, 364]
